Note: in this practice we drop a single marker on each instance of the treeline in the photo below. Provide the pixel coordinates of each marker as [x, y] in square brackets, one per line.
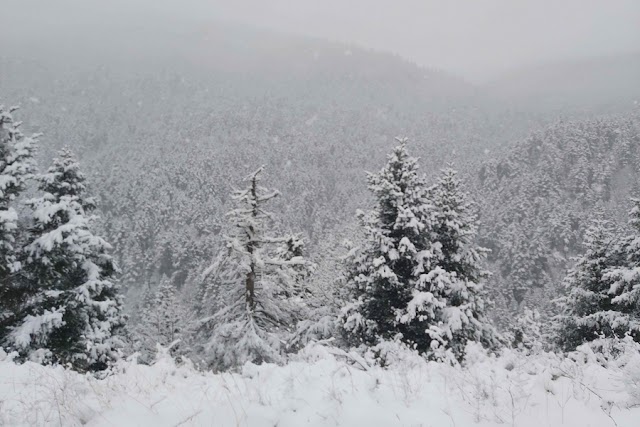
[316, 133]
[415, 276]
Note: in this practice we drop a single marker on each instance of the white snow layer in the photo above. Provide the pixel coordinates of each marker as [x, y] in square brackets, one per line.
[321, 388]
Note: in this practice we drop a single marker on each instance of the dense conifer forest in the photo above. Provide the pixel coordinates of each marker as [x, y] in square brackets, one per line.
[242, 204]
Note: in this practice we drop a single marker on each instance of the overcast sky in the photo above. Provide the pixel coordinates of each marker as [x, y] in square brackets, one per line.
[473, 38]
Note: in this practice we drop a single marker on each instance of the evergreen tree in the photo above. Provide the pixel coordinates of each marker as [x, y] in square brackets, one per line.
[457, 278]
[625, 278]
[75, 311]
[527, 333]
[418, 274]
[324, 296]
[588, 309]
[165, 320]
[292, 246]
[256, 284]
[398, 250]
[16, 165]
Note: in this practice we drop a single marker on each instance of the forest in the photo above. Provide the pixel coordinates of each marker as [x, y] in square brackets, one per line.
[249, 216]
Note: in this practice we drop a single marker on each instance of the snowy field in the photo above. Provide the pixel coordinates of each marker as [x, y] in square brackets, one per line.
[327, 387]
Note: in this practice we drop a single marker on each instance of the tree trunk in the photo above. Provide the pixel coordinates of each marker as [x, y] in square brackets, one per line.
[250, 289]
[250, 283]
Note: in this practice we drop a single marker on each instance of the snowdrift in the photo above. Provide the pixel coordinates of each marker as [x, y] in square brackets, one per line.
[323, 386]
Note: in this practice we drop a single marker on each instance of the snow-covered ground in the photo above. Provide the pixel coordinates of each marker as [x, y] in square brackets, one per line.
[327, 387]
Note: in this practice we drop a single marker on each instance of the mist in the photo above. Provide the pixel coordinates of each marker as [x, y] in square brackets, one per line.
[476, 40]
[321, 213]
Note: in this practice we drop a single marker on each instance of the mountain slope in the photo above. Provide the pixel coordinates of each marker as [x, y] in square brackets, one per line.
[168, 122]
[166, 137]
[537, 200]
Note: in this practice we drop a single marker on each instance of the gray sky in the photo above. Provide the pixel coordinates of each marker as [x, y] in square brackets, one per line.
[473, 38]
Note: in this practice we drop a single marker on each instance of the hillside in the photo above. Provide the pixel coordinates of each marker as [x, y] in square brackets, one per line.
[168, 124]
[203, 223]
[537, 200]
[166, 138]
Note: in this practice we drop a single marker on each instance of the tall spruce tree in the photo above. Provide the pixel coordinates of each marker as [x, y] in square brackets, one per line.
[16, 166]
[252, 287]
[417, 276]
[603, 288]
[625, 277]
[398, 250]
[75, 312]
[458, 276]
[587, 310]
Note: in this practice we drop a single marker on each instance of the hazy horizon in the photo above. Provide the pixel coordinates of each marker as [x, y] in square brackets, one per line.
[475, 41]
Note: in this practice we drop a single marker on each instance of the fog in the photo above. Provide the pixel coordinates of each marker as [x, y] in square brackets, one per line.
[476, 40]
[457, 212]
[473, 39]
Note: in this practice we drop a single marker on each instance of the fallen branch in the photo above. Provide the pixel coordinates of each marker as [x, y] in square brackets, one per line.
[188, 418]
[351, 356]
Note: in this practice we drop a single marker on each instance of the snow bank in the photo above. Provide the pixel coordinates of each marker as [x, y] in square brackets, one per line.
[322, 387]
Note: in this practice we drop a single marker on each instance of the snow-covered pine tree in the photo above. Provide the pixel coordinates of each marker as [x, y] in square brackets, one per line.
[76, 311]
[292, 246]
[251, 287]
[16, 165]
[457, 276]
[625, 278]
[527, 332]
[587, 311]
[165, 320]
[418, 275]
[386, 274]
[327, 292]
